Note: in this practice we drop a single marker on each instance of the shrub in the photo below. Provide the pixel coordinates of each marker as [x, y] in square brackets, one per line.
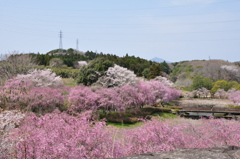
[225, 85]
[202, 82]
[56, 62]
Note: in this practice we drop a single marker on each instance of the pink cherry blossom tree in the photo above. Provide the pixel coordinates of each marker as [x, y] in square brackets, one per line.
[129, 96]
[235, 97]
[221, 93]
[22, 94]
[58, 135]
[109, 100]
[82, 98]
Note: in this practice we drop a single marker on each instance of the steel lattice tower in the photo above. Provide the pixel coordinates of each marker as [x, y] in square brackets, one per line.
[60, 42]
[77, 45]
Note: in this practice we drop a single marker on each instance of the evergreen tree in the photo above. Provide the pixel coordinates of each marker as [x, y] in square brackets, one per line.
[155, 71]
[165, 68]
[90, 73]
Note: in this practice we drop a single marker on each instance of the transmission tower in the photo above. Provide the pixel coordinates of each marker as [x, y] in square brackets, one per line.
[60, 42]
[77, 45]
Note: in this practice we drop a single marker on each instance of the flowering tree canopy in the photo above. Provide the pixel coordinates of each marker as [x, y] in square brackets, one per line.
[41, 78]
[164, 81]
[82, 63]
[235, 97]
[231, 72]
[82, 98]
[117, 76]
[22, 94]
[59, 135]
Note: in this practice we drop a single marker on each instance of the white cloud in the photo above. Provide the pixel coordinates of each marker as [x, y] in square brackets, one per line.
[189, 2]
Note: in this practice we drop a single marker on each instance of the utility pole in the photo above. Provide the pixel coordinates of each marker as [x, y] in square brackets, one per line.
[60, 42]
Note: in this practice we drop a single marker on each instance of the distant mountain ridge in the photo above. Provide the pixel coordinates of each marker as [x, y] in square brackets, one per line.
[159, 60]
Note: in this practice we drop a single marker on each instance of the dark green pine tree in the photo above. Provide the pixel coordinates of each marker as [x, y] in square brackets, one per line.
[165, 67]
[155, 70]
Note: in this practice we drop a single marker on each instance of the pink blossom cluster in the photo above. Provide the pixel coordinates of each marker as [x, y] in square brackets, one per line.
[221, 94]
[22, 94]
[59, 135]
[235, 97]
[120, 98]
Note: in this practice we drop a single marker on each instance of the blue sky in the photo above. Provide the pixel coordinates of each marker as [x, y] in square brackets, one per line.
[174, 30]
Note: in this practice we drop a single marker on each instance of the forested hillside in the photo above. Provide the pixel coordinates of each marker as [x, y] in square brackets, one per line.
[70, 58]
[185, 72]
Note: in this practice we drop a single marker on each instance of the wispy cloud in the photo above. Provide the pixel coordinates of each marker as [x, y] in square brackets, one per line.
[189, 2]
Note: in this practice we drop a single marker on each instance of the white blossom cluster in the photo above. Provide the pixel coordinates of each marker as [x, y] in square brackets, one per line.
[232, 69]
[222, 94]
[42, 78]
[164, 81]
[117, 76]
[82, 63]
[10, 119]
[202, 93]
[231, 73]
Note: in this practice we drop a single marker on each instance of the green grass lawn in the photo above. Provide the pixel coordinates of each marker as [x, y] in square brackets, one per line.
[122, 125]
[157, 114]
[164, 115]
[69, 82]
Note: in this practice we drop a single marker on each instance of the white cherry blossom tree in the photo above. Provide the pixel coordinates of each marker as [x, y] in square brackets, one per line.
[117, 76]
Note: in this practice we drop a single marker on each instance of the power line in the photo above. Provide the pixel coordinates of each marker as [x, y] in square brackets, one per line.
[120, 25]
[129, 16]
[122, 9]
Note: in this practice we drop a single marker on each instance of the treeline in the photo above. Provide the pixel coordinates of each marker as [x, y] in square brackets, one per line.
[141, 67]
